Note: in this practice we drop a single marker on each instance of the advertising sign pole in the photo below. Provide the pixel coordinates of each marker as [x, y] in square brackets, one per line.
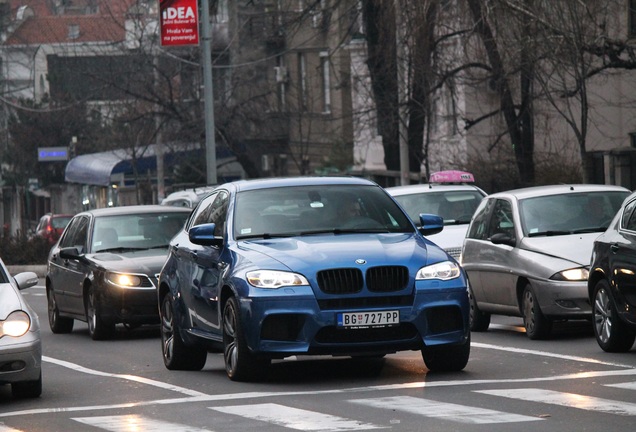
[208, 95]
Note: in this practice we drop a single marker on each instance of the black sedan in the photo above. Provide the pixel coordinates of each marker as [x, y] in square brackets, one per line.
[104, 268]
[612, 281]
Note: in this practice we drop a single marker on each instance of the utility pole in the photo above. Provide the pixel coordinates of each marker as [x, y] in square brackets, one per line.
[403, 83]
[208, 95]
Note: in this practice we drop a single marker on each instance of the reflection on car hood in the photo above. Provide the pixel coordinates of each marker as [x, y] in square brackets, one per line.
[312, 253]
[575, 247]
[146, 261]
[9, 300]
[452, 236]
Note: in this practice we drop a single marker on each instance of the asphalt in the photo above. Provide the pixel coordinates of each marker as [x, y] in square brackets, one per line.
[40, 270]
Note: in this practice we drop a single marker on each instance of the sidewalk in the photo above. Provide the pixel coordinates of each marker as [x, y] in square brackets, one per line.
[40, 270]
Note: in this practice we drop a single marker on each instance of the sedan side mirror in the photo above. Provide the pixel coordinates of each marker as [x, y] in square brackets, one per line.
[204, 235]
[430, 224]
[70, 253]
[502, 238]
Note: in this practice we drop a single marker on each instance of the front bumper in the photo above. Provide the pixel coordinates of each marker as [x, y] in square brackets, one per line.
[20, 358]
[130, 306]
[559, 299]
[294, 323]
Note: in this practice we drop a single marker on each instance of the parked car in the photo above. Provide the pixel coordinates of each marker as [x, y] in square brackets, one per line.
[448, 195]
[51, 226]
[20, 343]
[612, 282]
[104, 268]
[187, 197]
[527, 253]
[271, 268]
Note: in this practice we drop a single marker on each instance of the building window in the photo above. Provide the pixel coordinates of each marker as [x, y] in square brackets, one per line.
[632, 18]
[325, 79]
[302, 82]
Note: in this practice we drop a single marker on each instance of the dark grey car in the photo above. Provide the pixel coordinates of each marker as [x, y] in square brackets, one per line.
[527, 253]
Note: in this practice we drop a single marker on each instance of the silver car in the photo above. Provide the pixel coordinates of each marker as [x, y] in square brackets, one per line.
[527, 253]
[20, 344]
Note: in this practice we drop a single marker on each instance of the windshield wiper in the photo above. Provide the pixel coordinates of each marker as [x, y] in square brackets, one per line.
[549, 233]
[120, 249]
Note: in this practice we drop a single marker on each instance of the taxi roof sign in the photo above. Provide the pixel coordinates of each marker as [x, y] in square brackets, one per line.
[451, 176]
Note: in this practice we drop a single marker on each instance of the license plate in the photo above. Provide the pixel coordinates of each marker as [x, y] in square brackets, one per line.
[369, 319]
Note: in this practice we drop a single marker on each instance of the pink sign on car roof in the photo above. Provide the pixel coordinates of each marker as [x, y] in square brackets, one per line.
[451, 176]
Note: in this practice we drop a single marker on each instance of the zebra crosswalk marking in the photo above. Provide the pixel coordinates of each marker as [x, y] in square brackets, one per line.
[127, 423]
[295, 418]
[626, 386]
[443, 410]
[571, 400]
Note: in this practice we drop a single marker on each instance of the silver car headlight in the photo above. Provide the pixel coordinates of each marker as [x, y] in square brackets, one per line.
[123, 280]
[572, 275]
[444, 270]
[16, 324]
[275, 279]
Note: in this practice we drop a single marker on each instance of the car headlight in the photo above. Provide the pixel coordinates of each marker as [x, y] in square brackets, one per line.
[123, 280]
[16, 324]
[572, 275]
[275, 279]
[444, 270]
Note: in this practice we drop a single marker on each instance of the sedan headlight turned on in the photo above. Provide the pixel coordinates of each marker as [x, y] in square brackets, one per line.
[272, 268]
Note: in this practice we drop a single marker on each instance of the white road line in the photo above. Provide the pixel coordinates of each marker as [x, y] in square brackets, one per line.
[128, 423]
[4, 428]
[443, 410]
[135, 378]
[570, 400]
[295, 418]
[627, 386]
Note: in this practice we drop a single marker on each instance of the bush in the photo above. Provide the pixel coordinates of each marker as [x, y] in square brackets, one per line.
[22, 250]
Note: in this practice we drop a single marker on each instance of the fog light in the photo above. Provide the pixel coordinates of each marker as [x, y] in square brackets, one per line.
[568, 304]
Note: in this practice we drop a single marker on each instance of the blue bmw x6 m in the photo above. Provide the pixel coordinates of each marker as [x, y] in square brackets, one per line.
[271, 268]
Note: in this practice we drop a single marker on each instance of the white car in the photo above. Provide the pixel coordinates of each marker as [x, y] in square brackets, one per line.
[187, 197]
[455, 203]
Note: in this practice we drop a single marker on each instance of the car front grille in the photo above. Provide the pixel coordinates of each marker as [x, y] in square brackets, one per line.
[350, 280]
[340, 281]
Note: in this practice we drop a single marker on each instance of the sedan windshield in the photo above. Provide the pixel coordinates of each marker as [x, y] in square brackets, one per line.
[455, 207]
[569, 213]
[132, 232]
[309, 210]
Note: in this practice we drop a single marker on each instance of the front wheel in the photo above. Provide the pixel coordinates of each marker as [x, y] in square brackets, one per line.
[97, 327]
[240, 363]
[57, 323]
[611, 333]
[479, 321]
[536, 324]
[176, 354]
[447, 358]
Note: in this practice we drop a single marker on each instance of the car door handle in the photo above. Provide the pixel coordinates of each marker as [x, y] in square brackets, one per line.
[614, 248]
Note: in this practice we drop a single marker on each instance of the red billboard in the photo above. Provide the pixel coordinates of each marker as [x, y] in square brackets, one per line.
[179, 22]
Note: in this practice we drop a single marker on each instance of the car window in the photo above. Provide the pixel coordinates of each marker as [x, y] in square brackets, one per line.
[213, 210]
[628, 221]
[479, 226]
[202, 212]
[306, 209]
[76, 234]
[502, 221]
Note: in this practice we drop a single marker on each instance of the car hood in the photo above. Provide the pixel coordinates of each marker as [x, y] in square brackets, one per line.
[9, 300]
[147, 261]
[310, 254]
[575, 247]
[452, 236]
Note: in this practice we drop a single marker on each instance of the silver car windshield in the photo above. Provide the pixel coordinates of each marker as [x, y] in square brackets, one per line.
[569, 213]
[455, 207]
[307, 210]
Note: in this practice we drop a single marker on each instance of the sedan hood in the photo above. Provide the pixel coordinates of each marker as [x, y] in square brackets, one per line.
[147, 261]
[575, 247]
[451, 237]
[9, 300]
[310, 254]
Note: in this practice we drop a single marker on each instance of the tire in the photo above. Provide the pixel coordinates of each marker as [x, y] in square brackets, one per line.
[536, 324]
[97, 327]
[240, 363]
[27, 389]
[611, 333]
[447, 358]
[479, 321]
[176, 354]
[57, 323]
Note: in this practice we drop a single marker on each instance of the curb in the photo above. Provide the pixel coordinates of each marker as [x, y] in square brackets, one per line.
[40, 270]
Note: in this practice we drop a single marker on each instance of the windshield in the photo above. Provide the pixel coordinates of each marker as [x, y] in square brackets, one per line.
[569, 213]
[306, 210]
[135, 231]
[455, 207]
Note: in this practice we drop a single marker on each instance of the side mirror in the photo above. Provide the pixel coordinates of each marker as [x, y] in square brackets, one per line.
[26, 280]
[505, 239]
[70, 253]
[430, 224]
[204, 235]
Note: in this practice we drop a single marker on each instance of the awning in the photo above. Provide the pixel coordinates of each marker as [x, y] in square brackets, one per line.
[98, 168]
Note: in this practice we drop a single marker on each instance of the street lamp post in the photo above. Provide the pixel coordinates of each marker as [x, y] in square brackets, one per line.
[208, 94]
